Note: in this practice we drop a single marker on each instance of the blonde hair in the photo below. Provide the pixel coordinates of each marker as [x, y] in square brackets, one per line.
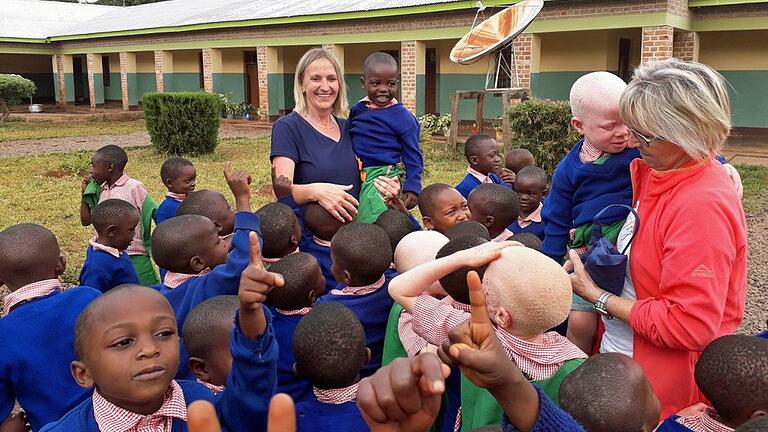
[532, 287]
[340, 105]
[593, 91]
[686, 103]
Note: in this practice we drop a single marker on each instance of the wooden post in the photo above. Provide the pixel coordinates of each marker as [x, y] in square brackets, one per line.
[479, 112]
[505, 128]
[453, 135]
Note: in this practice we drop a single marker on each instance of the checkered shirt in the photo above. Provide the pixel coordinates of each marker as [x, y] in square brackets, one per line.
[708, 421]
[535, 216]
[412, 343]
[503, 236]
[361, 290]
[177, 197]
[480, 176]
[269, 261]
[111, 418]
[132, 191]
[336, 396]
[29, 292]
[589, 153]
[370, 105]
[100, 247]
[216, 389]
[321, 242]
[172, 279]
[302, 311]
[434, 319]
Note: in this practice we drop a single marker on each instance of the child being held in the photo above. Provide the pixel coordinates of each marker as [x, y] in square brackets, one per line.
[531, 184]
[482, 153]
[329, 346]
[322, 226]
[303, 283]
[527, 295]
[442, 207]
[732, 373]
[496, 207]
[178, 176]
[384, 134]
[37, 330]
[107, 170]
[107, 264]
[127, 347]
[361, 256]
[281, 231]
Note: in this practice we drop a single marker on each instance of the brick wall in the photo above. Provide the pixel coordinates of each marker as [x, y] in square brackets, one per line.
[159, 69]
[522, 46]
[207, 70]
[89, 60]
[124, 80]
[60, 78]
[657, 43]
[408, 74]
[262, 70]
[684, 45]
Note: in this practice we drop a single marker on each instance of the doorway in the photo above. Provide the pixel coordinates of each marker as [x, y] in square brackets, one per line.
[251, 78]
[430, 82]
[82, 96]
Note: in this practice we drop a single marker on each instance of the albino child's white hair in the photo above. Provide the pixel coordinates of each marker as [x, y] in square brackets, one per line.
[417, 248]
[532, 287]
[595, 91]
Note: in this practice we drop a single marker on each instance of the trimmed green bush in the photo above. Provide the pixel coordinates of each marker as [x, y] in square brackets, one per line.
[184, 123]
[544, 128]
[13, 88]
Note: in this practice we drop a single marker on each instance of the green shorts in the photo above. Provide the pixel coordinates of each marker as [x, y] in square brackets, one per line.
[145, 270]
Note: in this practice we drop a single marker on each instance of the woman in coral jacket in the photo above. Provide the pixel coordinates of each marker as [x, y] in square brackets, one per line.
[686, 276]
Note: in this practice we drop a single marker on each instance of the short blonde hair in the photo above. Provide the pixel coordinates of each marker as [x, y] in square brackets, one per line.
[340, 105]
[686, 103]
[594, 91]
[532, 287]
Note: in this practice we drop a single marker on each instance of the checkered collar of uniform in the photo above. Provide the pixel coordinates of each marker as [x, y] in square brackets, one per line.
[321, 242]
[707, 421]
[216, 389]
[172, 279]
[336, 396]
[539, 360]
[482, 178]
[111, 418]
[177, 197]
[589, 153]
[29, 292]
[119, 182]
[104, 248]
[302, 311]
[269, 261]
[360, 290]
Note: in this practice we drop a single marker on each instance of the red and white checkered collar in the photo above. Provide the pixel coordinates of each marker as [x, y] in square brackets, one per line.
[483, 178]
[302, 311]
[177, 197]
[589, 153]
[111, 418]
[336, 396]
[540, 360]
[360, 290]
[104, 248]
[370, 105]
[216, 389]
[321, 242]
[707, 421]
[269, 261]
[172, 279]
[120, 182]
[29, 292]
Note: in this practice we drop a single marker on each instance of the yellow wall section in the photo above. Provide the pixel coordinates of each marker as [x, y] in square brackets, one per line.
[292, 54]
[738, 50]
[23, 63]
[446, 66]
[232, 61]
[575, 51]
[355, 55]
[186, 61]
[145, 62]
[114, 63]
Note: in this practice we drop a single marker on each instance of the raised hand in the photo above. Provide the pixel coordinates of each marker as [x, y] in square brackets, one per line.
[255, 283]
[282, 414]
[201, 417]
[239, 183]
[403, 396]
[507, 175]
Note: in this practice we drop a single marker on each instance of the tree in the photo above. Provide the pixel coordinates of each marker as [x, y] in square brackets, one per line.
[13, 88]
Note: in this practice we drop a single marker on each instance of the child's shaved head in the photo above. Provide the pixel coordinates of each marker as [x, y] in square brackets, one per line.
[303, 282]
[455, 283]
[113, 154]
[321, 223]
[179, 241]
[468, 228]
[533, 289]
[211, 204]
[28, 253]
[595, 91]
[206, 332]
[418, 248]
[518, 158]
[396, 224]
[279, 228]
[378, 58]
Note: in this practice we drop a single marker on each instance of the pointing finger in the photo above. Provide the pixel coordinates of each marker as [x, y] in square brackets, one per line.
[282, 414]
[477, 300]
[255, 254]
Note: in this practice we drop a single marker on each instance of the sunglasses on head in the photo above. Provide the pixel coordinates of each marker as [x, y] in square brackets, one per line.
[644, 140]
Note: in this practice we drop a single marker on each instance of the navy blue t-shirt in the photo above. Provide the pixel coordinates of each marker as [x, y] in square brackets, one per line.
[318, 158]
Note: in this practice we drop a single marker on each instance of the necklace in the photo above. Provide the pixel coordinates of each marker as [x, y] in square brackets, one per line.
[320, 125]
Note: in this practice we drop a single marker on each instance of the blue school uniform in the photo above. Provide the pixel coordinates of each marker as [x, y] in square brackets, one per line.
[579, 191]
[167, 209]
[470, 182]
[288, 382]
[241, 406]
[372, 310]
[224, 279]
[322, 254]
[535, 228]
[37, 340]
[670, 424]
[313, 415]
[551, 418]
[101, 270]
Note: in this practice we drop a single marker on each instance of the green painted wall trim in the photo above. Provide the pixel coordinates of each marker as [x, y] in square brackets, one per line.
[354, 91]
[168, 82]
[69, 87]
[186, 81]
[420, 94]
[748, 95]
[230, 84]
[23, 40]
[728, 24]
[98, 87]
[56, 87]
[276, 93]
[114, 91]
[133, 89]
[447, 84]
[146, 83]
[697, 3]
[422, 9]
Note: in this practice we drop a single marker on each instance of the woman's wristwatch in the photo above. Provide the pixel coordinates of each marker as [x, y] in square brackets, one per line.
[600, 304]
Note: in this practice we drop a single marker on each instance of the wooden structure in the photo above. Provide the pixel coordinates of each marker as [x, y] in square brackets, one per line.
[509, 97]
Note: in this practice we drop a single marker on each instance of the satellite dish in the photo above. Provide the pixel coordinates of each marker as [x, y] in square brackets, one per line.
[494, 34]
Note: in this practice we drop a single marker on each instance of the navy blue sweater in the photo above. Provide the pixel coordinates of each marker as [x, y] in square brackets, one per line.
[224, 279]
[37, 342]
[551, 418]
[670, 424]
[387, 136]
[315, 416]
[167, 209]
[101, 270]
[580, 191]
[323, 256]
[535, 228]
[372, 310]
[242, 406]
[287, 381]
[469, 182]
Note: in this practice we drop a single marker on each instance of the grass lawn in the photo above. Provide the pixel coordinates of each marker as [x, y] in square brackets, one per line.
[44, 190]
[21, 130]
